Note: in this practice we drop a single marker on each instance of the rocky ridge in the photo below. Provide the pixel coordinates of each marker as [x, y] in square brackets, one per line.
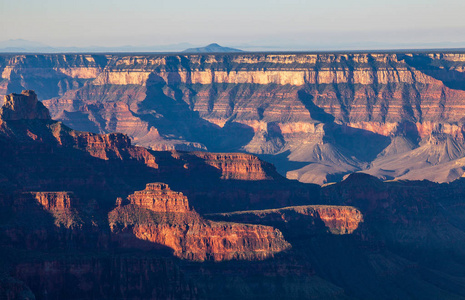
[336, 219]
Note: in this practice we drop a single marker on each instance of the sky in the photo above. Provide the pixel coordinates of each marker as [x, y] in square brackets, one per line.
[282, 24]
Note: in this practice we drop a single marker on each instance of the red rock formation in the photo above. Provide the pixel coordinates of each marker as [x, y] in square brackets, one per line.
[238, 166]
[104, 146]
[158, 197]
[50, 201]
[55, 200]
[47, 220]
[337, 219]
[162, 217]
[111, 146]
[117, 163]
[205, 240]
[24, 106]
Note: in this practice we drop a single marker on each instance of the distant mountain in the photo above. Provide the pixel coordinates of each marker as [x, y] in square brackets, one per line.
[211, 48]
[25, 46]
[20, 45]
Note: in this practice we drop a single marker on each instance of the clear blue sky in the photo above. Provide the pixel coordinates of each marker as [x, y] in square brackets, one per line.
[289, 23]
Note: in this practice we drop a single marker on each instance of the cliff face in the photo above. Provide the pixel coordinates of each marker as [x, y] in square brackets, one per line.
[292, 106]
[158, 197]
[55, 200]
[336, 219]
[239, 166]
[342, 220]
[74, 176]
[163, 217]
[49, 75]
[24, 106]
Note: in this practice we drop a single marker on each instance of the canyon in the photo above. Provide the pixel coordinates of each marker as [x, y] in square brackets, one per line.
[73, 210]
[317, 117]
[190, 201]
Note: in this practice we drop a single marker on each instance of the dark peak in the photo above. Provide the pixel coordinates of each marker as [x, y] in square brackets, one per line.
[212, 48]
[362, 179]
[24, 106]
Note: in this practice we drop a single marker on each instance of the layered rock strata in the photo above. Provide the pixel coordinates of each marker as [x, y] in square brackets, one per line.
[337, 219]
[162, 216]
[239, 166]
[292, 106]
[24, 106]
[55, 200]
[158, 197]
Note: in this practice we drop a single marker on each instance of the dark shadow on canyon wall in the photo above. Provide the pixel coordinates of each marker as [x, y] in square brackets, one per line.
[363, 144]
[316, 113]
[451, 78]
[173, 117]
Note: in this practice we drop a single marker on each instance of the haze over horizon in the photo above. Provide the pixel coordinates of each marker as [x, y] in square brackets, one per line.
[251, 25]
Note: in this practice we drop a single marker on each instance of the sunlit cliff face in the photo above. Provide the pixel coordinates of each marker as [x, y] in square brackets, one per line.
[170, 222]
[296, 107]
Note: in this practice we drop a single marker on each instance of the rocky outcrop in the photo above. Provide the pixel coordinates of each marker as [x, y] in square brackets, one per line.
[55, 200]
[112, 146]
[239, 166]
[24, 106]
[87, 157]
[337, 219]
[340, 220]
[158, 197]
[162, 217]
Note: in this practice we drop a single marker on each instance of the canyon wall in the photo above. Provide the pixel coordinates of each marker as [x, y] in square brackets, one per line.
[158, 197]
[336, 219]
[300, 111]
[55, 200]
